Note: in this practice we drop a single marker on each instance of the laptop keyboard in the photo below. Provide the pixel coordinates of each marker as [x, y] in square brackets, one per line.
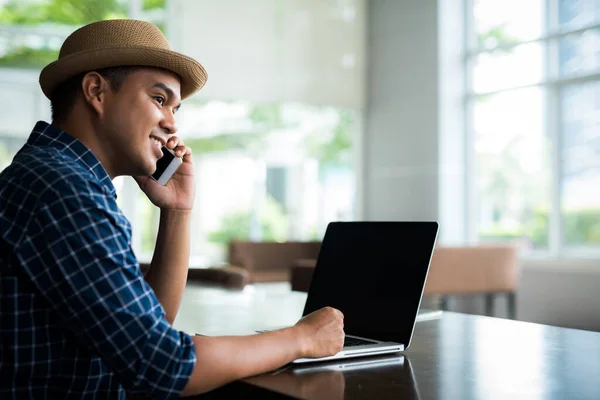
[351, 341]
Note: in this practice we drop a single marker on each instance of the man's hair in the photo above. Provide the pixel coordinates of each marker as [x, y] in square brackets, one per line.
[63, 97]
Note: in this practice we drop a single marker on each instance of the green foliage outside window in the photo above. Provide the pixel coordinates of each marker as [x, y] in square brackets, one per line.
[25, 57]
[337, 148]
[330, 150]
[581, 228]
[236, 225]
[265, 118]
[60, 12]
[496, 36]
[23, 52]
[222, 143]
[154, 4]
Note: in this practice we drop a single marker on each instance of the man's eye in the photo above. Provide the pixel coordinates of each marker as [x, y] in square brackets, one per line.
[160, 100]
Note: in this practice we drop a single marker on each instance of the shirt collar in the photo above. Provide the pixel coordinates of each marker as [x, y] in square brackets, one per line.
[47, 135]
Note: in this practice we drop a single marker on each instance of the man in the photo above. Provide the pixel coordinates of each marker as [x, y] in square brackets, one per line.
[77, 318]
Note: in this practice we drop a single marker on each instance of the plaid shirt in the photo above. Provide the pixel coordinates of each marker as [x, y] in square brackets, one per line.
[77, 318]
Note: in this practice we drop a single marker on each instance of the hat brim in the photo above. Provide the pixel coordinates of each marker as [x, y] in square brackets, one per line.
[192, 74]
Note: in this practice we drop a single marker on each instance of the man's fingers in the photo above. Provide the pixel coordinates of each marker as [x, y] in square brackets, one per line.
[188, 154]
[178, 146]
[172, 142]
[180, 151]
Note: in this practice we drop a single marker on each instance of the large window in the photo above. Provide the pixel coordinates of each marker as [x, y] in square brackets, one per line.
[533, 101]
[265, 170]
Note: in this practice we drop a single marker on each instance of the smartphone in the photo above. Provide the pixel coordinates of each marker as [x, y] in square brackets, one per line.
[166, 166]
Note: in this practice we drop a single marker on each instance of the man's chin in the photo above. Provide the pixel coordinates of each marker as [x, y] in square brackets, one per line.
[146, 170]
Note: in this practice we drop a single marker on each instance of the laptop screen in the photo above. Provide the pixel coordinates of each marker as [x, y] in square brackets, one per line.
[374, 272]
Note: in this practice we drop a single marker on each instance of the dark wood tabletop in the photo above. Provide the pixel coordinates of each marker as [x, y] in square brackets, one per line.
[457, 357]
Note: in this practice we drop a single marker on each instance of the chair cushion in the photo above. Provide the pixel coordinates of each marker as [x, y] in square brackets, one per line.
[476, 269]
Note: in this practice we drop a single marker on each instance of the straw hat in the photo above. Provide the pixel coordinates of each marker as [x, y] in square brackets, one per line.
[120, 42]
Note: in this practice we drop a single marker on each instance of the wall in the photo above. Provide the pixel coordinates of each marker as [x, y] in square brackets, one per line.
[560, 292]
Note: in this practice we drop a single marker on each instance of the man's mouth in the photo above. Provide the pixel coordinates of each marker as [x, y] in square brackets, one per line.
[160, 142]
[157, 142]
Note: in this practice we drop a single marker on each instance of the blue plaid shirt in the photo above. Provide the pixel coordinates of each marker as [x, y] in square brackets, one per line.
[77, 318]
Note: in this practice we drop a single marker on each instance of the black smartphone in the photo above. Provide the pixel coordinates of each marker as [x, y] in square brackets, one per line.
[166, 166]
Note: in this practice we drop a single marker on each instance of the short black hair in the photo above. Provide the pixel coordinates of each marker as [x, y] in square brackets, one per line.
[63, 96]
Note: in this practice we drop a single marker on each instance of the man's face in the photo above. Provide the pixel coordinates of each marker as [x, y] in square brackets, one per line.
[138, 120]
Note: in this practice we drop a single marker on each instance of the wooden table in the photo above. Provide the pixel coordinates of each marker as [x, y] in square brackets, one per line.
[456, 357]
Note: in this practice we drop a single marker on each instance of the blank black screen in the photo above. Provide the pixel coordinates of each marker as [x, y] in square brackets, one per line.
[374, 272]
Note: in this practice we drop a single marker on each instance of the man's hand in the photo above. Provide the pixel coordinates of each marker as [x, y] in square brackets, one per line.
[321, 333]
[179, 192]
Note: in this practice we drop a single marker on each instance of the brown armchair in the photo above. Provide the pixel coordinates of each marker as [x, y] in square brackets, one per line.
[269, 261]
[474, 270]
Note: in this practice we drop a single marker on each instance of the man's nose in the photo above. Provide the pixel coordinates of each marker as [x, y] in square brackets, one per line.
[168, 122]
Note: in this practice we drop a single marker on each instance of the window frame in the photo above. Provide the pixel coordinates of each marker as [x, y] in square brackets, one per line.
[552, 84]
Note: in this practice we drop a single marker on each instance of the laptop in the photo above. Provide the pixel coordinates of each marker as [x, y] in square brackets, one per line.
[375, 273]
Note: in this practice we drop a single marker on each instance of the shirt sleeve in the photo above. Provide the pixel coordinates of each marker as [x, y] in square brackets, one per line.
[85, 268]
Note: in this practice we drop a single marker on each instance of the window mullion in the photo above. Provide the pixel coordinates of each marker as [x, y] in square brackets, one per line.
[554, 132]
[470, 186]
[553, 128]
[554, 36]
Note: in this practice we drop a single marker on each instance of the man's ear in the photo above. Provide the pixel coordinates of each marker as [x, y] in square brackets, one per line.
[95, 88]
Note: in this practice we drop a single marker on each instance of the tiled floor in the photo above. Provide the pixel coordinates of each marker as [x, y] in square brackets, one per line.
[214, 310]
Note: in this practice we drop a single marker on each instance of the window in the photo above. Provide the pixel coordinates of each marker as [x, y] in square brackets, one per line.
[265, 171]
[533, 101]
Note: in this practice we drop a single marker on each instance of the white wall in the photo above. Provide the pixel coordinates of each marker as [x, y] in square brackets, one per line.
[408, 173]
[560, 292]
